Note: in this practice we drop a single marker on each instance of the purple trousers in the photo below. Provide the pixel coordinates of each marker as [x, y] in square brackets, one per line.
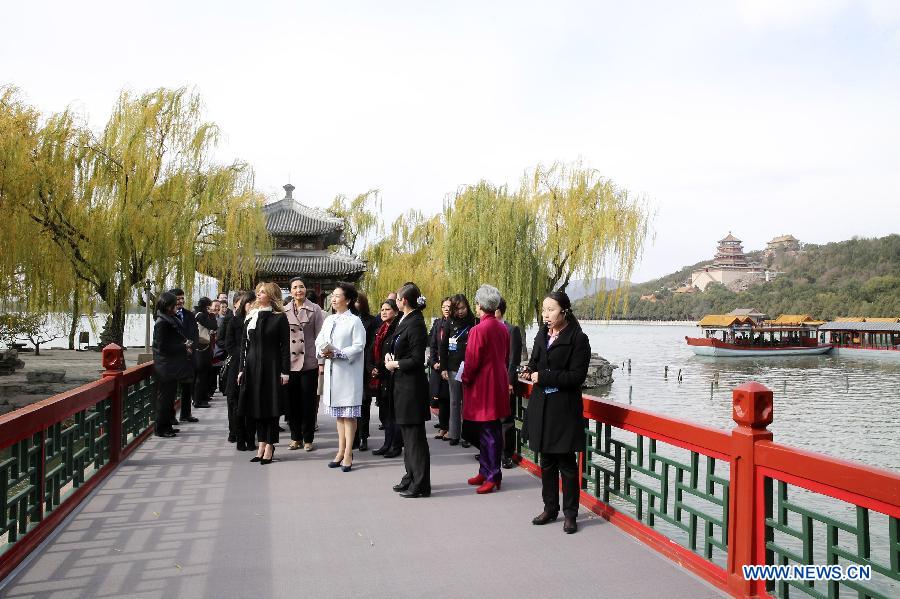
[491, 447]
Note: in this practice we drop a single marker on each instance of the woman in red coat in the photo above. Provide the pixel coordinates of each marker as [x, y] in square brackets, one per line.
[485, 381]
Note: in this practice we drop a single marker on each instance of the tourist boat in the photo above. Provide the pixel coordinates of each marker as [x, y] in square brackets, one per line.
[876, 337]
[740, 336]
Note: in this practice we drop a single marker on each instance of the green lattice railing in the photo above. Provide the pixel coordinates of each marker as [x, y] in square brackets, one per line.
[684, 499]
[711, 492]
[137, 409]
[55, 451]
[797, 533]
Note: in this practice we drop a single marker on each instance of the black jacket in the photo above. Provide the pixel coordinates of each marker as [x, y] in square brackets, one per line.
[385, 386]
[434, 341]
[515, 352]
[555, 421]
[203, 354]
[232, 339]
[410, 385]
[265, 356]
[450, 360]
[171, 360]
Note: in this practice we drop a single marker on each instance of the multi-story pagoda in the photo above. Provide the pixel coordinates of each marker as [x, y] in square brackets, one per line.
[730, 267]
[301, 237]
[730, 253]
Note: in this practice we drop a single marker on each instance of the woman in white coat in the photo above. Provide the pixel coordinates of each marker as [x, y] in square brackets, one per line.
[342, 342]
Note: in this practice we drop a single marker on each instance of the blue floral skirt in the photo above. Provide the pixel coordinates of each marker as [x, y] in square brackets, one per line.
[344, 412]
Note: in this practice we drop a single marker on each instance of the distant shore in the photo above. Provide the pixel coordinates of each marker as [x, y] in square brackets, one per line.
[654, 323]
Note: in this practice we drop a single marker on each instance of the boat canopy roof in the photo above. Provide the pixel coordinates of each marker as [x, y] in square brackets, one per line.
[724, 321]
[873, 326]
[794, 320]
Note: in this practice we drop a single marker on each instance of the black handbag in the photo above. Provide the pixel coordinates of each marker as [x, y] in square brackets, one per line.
[223, 374]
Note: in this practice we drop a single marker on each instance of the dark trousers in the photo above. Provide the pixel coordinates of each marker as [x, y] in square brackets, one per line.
[509, 430]
[202, 389]
[186, 390]
[238, 425]
[266, 430]
[393, 438]
[440, 389]
[301, 405]
[164, 405]
[416, 458]
[554, 466]
[490, 446]
[362, 423]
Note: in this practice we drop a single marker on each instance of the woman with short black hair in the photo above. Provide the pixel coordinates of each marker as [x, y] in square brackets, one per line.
[452, 355]
[238, 424]
[171, 362]
[379, 378]
[406, 362]
[555, 421]
[305, 319]
[203, 351]
[341, 343]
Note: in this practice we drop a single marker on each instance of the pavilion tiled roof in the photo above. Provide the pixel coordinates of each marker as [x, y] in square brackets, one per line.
[314, 263]
[290, 217]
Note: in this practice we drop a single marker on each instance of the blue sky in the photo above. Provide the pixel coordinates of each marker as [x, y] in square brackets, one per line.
[759, 117]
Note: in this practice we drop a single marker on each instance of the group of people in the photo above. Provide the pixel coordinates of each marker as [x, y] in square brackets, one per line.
[282, 357]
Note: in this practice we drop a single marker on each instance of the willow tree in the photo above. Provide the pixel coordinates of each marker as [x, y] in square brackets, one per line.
[492, 238]
[34, 164]
[140, 200]
[586, 226]
[412, 250]
[362, 219]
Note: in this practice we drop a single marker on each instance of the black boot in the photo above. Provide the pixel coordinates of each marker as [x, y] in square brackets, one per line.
[363, 444]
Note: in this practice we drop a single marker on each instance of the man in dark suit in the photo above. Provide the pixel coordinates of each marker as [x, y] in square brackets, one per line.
[515, 356]
[192, 333]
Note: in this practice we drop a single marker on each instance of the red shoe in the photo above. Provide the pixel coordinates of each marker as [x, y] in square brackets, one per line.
[477, 480]
[487, 487]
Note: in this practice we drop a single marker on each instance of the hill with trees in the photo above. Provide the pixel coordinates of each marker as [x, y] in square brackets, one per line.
[858, 277]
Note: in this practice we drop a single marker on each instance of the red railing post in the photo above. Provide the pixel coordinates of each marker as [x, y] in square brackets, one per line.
[752, 411]
[113, 365]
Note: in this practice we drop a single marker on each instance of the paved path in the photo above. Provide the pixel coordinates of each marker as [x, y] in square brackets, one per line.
[190, 517]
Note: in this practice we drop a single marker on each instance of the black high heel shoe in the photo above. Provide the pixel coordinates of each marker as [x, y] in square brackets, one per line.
[256, 459]
[265, 461]
[335, 464]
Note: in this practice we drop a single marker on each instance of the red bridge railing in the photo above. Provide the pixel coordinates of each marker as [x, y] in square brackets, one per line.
[53, 453]
[716, 501]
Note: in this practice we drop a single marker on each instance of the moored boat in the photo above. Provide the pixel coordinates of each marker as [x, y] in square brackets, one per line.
[875, 337]
[739, 336]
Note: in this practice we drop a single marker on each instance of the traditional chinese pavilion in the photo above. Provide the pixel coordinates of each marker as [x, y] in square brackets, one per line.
[301, 237]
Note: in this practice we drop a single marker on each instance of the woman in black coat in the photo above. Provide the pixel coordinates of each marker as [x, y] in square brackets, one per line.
[555, 427]
[171, 362]
[371, 325]
[238, 426]
[379, 379]
[265, 367]
[410, 393]
[440, 390]
[452, 355]
[203, 353]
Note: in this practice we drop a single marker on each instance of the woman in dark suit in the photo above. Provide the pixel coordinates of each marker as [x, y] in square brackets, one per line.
[238, 425]
[378, 381]
[411, 399]
[555, 427]
[265, 367]
[171, 362]
[203, 354]
[440, 390]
